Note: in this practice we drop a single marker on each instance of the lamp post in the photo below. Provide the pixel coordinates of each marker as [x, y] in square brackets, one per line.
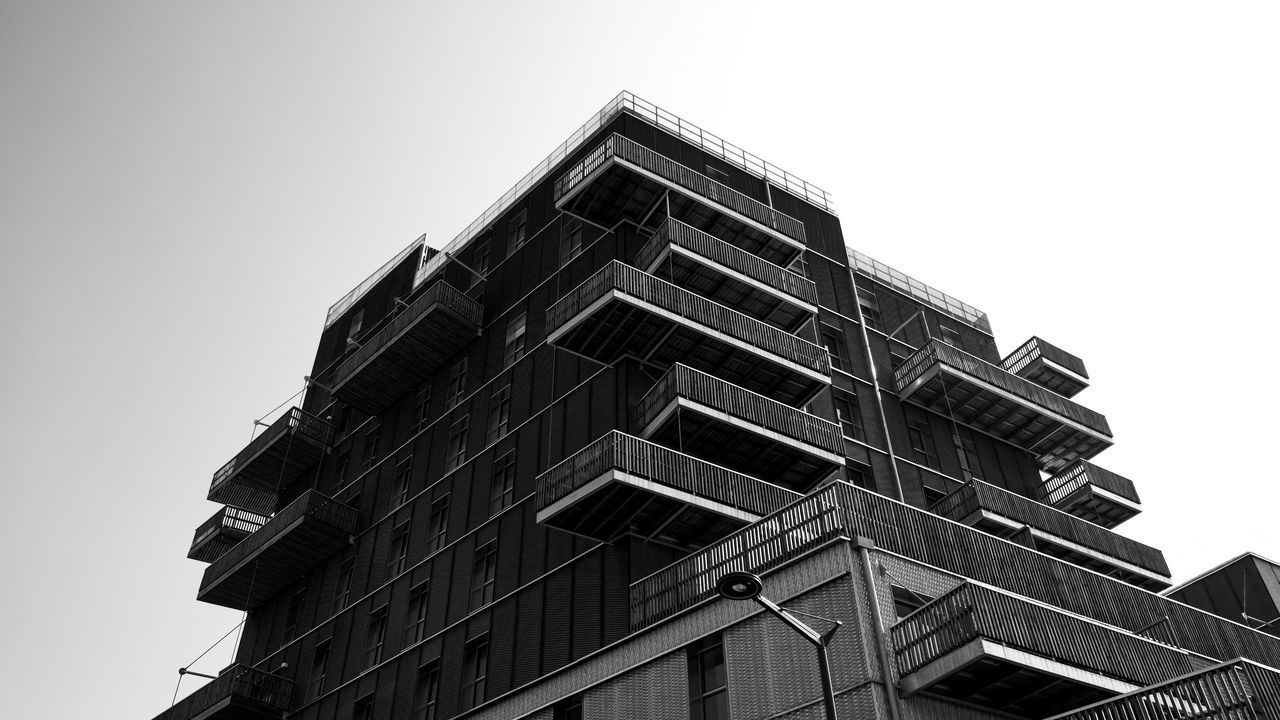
[740, 585]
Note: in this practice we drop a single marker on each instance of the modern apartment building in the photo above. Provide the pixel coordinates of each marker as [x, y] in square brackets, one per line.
[525, 460]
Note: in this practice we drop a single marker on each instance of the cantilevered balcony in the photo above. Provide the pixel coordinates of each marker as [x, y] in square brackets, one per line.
[238, 693]
[975, 392]
[288, 546]
[738, 429]
[1090, 492]
[1007, 514]
[222, 532]
[1048, 366]
[1234, 690]
[623, 180]
[425, 334]
[622, 312]
[621, 484]
[728, 275]
[996, 650]
[292, 444]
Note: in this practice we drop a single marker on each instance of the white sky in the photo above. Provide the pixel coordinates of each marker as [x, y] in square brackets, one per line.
[185, 188]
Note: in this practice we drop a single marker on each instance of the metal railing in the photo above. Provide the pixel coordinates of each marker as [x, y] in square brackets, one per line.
[346, 301]
[674, 232]
[683, 381]
[1234, 690]
[641, 285]
[311, 504]
[617, 146]
[935, 352]
[619, 451]
[1035, 348]
[296, 420]
[973, 611]
[908, 285]
[228, 518]
[239, 681]
[1081, 473]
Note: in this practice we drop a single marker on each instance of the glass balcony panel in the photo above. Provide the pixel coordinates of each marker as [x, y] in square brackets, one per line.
[288, 447]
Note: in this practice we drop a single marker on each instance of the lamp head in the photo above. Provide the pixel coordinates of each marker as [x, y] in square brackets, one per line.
[739, 585]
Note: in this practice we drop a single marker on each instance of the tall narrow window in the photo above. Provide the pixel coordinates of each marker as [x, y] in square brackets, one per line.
[438, 524]
[570, 239]
[376, 639]
[343, 593]
[849, 415]
[427, 691]
[294, 614]
[519, 230]
[398, 553]
[340, 469]
[833, 341]
[482, 258]
[457, 383]
[922, 448]
[475, 669]
[456, 453]
[421, 408]
[415, 629]
[400, 485]
[516, 327]
[499, 413]
[708, 681]
[970, 466]
[319, 668]
[357, 322]
[372, 441]
[503, 489]
[870, 307]
[484, 570]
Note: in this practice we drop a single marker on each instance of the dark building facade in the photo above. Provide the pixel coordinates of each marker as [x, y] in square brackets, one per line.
[524, 461]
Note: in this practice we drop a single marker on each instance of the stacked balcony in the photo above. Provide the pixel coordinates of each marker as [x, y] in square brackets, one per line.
[289, 446]
[623, 180]
[288, 546]
[1234, 690]
[238, 693]
[622, 312]
[1092, 493]
[434, 327]
[996, 650]
[950, 381]
[222, 532]
[621, 485]
[728, 275]
[1051, 531]
[1048, 366]
[735, 428]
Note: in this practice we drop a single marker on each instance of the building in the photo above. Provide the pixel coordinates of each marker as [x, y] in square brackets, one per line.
[525, 460]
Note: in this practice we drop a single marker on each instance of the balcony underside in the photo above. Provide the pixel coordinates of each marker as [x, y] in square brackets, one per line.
[1053, 376]
[619, 325]
[1098, 505]
[253, 484]
[741, 445]
[620, 190]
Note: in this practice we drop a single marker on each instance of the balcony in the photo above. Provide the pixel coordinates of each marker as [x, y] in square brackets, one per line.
[623, 180]
[222, 532]
[728, 275]
[952, 382]
[1090, 492]
[622, 312]
[289, 446]
[1053, 532]
[1234, 690]
[419, 339]
[1048, 366]
[621, 484]
[738, 429]
[1000, 651]
[287, 547]
[239, 693]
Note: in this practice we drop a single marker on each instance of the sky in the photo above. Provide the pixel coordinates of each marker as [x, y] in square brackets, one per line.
[186, 187]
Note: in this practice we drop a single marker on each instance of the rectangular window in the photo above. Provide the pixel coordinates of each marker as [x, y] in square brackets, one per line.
[922, 448]
[357, 322]
[503, 490]
[568, 709]
[457, 383]
[849, 415]
[858, 474]
[570, 239]
[415, 629]
[438, 524]
[456, 453]
[363, 709]
[400, 484]
[950, 335]
[907, 601]
[372, 441]
[519, 230]
[376, 639]
[427, 691]
[833, 341]
[343, 594]
[482, 258]
[475, 668]
[499, 413]
[340, 469]
[516, 327]
[294, 614]
[970, 466]
[421, 409]
[708, 681]
[870, 307]
[484, 570]
[398, 553]
[319, 668]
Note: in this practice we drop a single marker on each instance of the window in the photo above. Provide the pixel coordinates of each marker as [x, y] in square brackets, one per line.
[708, 681]
[376, 639]
[343, 594]
[319, 668]
[859, 475]
[503, 490]
[357, 322]
[294, 614]
[427, 691]
[340, 469]
[457, 383]
[519, 230]
[567, 709]
[570, 239]
[499, 413]
[921, 439]
[438, 524]
[950, 335]
[363, 709]
[415, 629]
[970, 466]
[849, 415]
[484, 570]
[870, 308]
[456, 454]
[475, 667]
[400, 484]
[482, 258]
[907, 601]
[372, 441]
[833, 341]
[398, 553]
[515, 339]
[421, 409]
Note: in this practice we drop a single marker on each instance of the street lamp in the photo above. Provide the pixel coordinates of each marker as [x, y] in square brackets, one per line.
[739, 585]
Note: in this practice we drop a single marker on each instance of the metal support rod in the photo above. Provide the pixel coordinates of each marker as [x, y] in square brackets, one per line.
[820, 642]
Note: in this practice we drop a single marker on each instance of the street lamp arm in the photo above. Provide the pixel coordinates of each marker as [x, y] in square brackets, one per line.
[798, 625]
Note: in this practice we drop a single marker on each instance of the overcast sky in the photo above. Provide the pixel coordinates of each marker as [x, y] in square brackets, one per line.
[186, 187]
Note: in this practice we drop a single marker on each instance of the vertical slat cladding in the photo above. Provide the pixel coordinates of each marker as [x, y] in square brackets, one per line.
[1232, 691]
[1082, 473]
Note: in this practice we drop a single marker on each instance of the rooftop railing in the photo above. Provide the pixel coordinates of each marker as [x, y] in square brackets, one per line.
[239, 682]
[346, 301]
[908, 285]
[1082, 473]
[1234, 690]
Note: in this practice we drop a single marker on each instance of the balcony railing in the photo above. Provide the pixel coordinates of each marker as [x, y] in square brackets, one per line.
[1044, 364]
[240, 692]
[288, 546]
[222, 532]
[1093, 493]
[1234, 690]
[290, 445]
[949, 380]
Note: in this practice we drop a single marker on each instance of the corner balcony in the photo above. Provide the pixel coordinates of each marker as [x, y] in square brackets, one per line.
[621, 484]
[623, 180]
[1053, 532]
[1048, 366]
[289, 446]
[238, 693]
[989, 648]
[952, 382]
[222, 532]
[1234, 690]
[1092, 493]
[622, 312]
[423, 336]
[300, 537]
[723, 273]
[738, 429]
